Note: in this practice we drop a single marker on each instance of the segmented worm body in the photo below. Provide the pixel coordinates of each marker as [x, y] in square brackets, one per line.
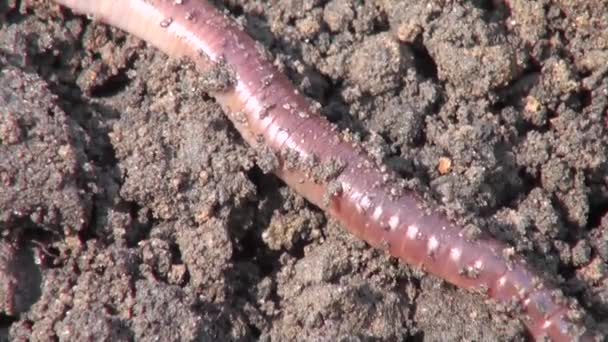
[365, 197]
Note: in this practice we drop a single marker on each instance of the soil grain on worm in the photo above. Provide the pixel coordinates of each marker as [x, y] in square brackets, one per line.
[150, 217]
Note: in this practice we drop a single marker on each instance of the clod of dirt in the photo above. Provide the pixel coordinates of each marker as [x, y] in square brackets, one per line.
[401, 118]
[285, 230]
[206, 251]
[438, 309]
[163, 153]
[107, 273]
[329, 314]
[378, 63]
[538, 210]
[323, 265]
[19, 279]
[326, 312]
[43, 166]
[99, 322]
[338, 14]
[318, 294]
[470, 59]
[470, 52]
[168, 313]
[156, 257]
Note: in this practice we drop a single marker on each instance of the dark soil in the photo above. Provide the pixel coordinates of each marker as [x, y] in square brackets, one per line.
[131, 209]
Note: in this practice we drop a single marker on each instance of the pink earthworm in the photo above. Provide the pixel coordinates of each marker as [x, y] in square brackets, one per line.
[332, 172]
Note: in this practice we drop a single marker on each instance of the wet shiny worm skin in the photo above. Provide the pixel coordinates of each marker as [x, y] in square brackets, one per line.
[266, 108]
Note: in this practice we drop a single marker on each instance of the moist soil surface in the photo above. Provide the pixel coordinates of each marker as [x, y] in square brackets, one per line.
[130, 208]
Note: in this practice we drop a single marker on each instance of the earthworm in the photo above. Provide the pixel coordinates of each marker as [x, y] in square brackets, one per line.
[333, 172]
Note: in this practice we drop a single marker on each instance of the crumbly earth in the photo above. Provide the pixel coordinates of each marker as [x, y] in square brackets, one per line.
[130, 208]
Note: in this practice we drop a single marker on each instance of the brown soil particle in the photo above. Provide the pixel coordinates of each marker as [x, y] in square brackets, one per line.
[131, 209]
